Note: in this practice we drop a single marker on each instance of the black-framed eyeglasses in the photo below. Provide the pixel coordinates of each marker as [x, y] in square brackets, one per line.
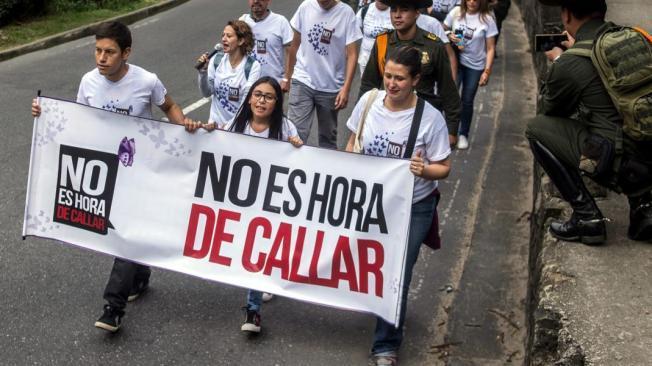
[268, 98]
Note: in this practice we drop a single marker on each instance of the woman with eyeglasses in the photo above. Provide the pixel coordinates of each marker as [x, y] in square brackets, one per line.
[228, 75]
[260, 115]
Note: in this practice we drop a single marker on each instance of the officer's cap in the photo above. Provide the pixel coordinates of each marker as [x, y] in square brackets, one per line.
[417, 4]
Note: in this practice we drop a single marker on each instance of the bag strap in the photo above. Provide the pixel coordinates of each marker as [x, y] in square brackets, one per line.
[357, 146]
[381, 49]
[414, 129]
[248, 64]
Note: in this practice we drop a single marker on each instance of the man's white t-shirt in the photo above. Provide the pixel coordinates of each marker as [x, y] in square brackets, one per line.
[475, 31]
[385, 133]
[374, 23]
[287, 130]
[432, 25]
[321, 58]
[271, 35]
[132, 95]
[228, 85]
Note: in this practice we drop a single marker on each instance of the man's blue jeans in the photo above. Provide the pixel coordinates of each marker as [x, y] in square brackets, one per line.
[468, 79]
[254, 300]
[387, 338]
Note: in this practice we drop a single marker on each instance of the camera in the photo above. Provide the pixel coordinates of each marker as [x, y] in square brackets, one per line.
[546, 42]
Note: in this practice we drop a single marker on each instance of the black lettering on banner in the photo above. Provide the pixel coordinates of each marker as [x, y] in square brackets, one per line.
[85, 186]
[295, 193]
[254, 181]
[218, 183]
[332, 219]
[322, 198]
[271, 188]
[356, 205]
[377, 200]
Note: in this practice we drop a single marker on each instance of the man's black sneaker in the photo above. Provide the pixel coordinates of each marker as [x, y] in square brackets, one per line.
[252, 322]
[137, 290]
[640, 222]
[110, 320]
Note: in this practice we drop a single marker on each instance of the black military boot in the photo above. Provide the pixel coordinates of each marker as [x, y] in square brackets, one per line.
[640, 217]
[586, 224]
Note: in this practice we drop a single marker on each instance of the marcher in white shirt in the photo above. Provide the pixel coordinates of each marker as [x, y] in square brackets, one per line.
[228, 75]
[473, 30]
[272, 38]
[322, 62]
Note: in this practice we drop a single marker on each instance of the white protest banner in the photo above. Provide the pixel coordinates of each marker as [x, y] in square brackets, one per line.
[312, 224]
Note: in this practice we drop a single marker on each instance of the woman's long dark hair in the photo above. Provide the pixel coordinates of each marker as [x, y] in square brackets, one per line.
[245, 114]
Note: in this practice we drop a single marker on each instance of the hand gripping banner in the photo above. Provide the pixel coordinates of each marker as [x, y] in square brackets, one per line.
[312, 224]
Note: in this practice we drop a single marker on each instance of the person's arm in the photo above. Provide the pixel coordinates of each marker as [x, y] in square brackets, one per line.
[451, 103]
[350, 143]
[36, 108]
[285, 82]
[491, 52]
[432, 171]
[206, 76]
[452, 58]
[342, 98]
[172, 111]
[291, 60]
[371, 77]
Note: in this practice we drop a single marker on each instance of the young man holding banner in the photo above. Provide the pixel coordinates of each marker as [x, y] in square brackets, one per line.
[120, 87]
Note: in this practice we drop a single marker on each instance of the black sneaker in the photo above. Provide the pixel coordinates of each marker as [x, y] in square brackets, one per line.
[110, 320]
[137, 290]
[252, 322]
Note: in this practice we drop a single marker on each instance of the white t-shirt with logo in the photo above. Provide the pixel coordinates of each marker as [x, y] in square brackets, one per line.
[476, 31]
[374, 23]
[385, 133]
[321, 58]
[132, 95]
[432, 25]
[227, 85]
[444, 6]
[287, 130]
[270, 37]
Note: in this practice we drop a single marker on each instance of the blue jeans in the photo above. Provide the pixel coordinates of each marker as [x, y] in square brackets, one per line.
[387, 338]
[469, 80]
[254, 300]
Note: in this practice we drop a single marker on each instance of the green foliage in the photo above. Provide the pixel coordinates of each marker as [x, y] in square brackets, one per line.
[20, 10]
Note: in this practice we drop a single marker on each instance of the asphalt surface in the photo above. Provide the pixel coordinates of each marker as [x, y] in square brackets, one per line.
[51, 293]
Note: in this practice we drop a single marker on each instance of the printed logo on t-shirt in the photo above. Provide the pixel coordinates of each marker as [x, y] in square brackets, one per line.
[382, 146]
[326, 35]
[234, 94]
[112, 106]
[315, 36]
[261, 46]
[223, 94]
[468, 33]
[394, 150]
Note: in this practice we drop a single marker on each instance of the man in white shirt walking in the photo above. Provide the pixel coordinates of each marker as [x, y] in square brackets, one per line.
[321, 66]
[272, 38]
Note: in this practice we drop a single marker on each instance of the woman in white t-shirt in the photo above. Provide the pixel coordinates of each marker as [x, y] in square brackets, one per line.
[228, 75]
[473, 30]
[385, 132]
[260, 115]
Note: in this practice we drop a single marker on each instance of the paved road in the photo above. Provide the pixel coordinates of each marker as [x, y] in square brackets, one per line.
[52, 293]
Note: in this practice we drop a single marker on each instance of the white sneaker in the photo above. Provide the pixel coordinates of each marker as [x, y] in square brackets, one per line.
[267, 296]
[462, 142]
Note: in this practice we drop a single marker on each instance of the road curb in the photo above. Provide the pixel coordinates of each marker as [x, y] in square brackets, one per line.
[87, 30]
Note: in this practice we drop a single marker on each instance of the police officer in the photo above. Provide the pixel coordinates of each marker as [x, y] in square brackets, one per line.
[579, 128]
[436, 84]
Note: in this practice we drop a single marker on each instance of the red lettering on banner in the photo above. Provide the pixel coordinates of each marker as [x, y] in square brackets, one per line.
[366, 268]
[284, 253]
[87, 219]
[343, 251]
[195, 212]
[249, 244]
[296, 258]
[63, 212]
[222, 236]
[282, 242]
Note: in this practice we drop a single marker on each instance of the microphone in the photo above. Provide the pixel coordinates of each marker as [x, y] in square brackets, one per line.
[216, 49]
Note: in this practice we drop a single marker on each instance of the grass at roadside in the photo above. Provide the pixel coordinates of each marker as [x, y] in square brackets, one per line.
[17, 34]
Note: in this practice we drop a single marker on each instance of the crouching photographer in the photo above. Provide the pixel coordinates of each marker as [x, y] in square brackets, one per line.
[588, 126]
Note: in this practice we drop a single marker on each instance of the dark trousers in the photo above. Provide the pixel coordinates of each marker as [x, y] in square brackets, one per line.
[124, 275]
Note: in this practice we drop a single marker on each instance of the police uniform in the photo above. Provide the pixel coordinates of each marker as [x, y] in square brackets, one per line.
[578, 119]
[436, 84]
